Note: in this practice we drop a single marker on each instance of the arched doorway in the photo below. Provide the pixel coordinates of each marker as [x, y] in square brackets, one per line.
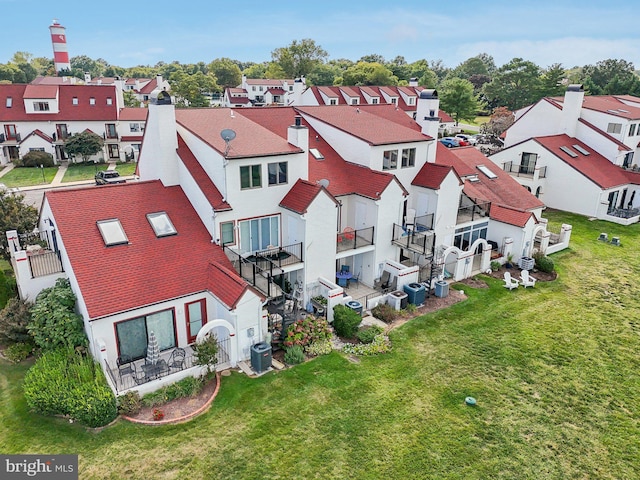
[226, 335]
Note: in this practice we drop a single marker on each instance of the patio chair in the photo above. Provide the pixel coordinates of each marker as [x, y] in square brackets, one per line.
[344, 268]
[509, 282]
[125, 365]
[527, 280]
[383, 281]
[176, 360]
[355, 280]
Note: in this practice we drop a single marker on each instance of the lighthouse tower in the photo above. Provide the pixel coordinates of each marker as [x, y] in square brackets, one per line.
[59, 42]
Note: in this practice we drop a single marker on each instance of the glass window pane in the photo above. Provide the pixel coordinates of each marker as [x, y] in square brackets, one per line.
[275, 232]
[272, 168]
[161, 324]
[265, 230]
[245, 181]
[255, 235]
[255, 176]
[283, 172]
[226, 230]
[195, 318]
[245, 236]
[132, 337]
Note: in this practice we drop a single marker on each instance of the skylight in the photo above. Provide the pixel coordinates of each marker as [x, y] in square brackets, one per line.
[112, 232]
[316, 154]
[581, 150]
[569, 152]
[487, 172]
[161, 224]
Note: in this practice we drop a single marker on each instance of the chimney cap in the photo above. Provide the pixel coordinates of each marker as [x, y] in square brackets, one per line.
[429, 93]
[575, 87]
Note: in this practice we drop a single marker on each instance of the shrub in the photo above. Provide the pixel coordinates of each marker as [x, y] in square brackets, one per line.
[294, 355]
[19, 351]
[65, 382]
[345, 321]
[367, 334]
[384, 312]
[187, 387]
[306, 331]
[495, 265]
[543, 263]
[206, 352]
[14, 318]
[411, 308]
[320, 347]
[35, 158]
[380, 344]
[129, 403]
[54, 322]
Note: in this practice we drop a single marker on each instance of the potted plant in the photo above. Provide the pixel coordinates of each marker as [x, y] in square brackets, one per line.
[509, 263]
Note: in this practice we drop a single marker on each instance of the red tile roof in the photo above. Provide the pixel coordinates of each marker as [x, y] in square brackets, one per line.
[41, 91]
[129, 276]
[510, 216]
[252, 140]
[206, 185]
[276, 91]
[503, 190]
[345, 178]
[611, 105]
[594, 166]
[40, 134]
[67, 111]
[432, 175]
[149, 87]
[364, 125]
[137, 114]
[301, 195]
[444, 156]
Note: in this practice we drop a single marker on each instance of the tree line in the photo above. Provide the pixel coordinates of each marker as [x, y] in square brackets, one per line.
[474, 86]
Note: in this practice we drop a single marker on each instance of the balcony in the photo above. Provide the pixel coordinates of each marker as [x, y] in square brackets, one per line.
[473, 212]
[526, 171]
[350, 239]
[43, 263]
[260, 268]
[420, 242]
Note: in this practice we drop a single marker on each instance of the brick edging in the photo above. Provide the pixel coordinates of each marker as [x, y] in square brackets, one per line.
[184, 418]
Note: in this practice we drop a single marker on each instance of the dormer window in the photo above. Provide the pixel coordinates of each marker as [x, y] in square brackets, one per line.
[161, 224]
[354, 101]
[112, 232]
[412, 100]
[40, 106]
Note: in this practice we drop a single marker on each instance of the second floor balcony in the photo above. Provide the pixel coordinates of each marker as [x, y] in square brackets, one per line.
[472, 210]
[525, 170]
[350, 239]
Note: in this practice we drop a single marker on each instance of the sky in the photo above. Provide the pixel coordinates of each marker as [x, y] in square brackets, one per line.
[569, 32]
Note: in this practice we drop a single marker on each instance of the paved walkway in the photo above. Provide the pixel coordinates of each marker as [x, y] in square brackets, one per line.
[57, 179]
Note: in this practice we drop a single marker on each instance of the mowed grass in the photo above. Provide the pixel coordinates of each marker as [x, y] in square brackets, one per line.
[76, 171]
[28, 176]
[555, 370]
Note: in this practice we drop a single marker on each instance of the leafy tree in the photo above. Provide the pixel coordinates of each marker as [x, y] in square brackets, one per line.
[85, 144]
[190, 90]
[141, 71]
[372, 58]
[257, 70]
[206, 352]
[299, 58]
[226, 71]
[598, 78]
[11, 73]
[515, 85]
[501, 119]
[274, 70]
[363, 73]
[551, 81]
[130, 99]
[457, 99]
[324, 74]
[15, 215]
[438, 67]
[14, 318]
[35, 158]
[82, 63]
[400, 68]
[54, 322]
[44, 66]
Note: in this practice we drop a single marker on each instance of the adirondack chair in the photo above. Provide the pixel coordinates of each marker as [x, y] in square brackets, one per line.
[509, 282]
[527, 280]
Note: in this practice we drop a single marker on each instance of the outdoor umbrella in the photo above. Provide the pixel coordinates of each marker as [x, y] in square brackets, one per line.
[153, 350]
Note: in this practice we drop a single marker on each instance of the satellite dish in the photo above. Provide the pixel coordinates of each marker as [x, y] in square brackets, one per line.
[324, 182]
[227, 135]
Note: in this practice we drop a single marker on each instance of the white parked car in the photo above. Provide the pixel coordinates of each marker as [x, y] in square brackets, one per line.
[470, 139]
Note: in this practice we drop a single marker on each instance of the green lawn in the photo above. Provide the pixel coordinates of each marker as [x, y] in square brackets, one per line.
[79, 171]
[27, 176]
[126, 169]
[555, 370]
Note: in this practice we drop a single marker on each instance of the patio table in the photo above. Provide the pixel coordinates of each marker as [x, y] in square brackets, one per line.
[154, 370]
[343, 278]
